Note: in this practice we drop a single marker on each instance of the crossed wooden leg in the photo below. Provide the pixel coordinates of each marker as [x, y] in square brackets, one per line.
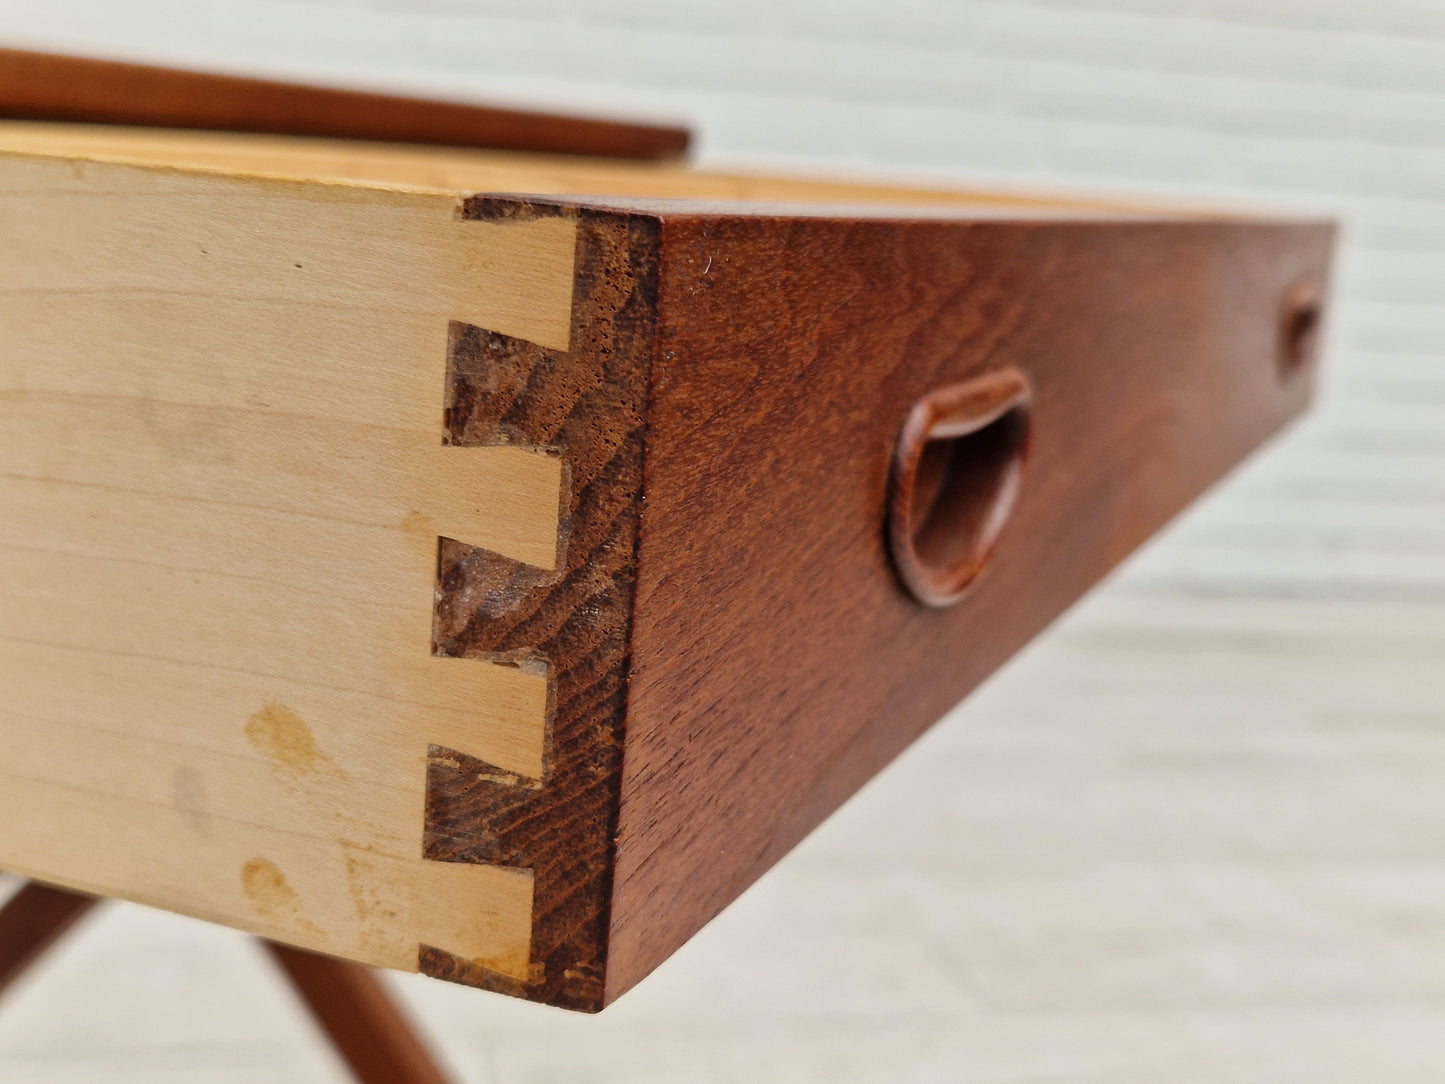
[346, 1000]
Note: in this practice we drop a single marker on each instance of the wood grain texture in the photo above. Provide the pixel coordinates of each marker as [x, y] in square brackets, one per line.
[589, 405]
[224, 480]
[623, 468]
[50, 87]
[777, 662]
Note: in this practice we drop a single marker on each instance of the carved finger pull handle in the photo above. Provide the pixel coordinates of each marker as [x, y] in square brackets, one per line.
[956, 474]
[1300, 318]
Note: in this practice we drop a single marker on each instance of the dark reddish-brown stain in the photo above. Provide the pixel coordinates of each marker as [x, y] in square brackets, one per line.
[346, 999]
[956, 475]
[365, 1026]
[777, 662]
[50, 87]
[731, 649]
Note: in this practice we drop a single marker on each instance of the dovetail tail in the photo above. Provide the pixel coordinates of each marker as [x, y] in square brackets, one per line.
[571, 625]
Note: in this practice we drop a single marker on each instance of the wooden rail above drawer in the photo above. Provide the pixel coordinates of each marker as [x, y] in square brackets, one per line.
[88, 90]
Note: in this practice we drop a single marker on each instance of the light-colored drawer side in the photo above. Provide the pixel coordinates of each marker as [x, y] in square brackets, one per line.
[222, 488]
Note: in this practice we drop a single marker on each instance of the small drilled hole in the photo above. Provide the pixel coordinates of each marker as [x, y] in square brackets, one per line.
[1300, 328]
[956, 475]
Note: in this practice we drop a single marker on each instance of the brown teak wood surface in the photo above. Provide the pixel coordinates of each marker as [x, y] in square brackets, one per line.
[53, 87]
[777, 662]
[360, 1018]
[362, 1021]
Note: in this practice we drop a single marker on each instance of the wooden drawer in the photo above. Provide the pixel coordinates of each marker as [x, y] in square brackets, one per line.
[497, 585]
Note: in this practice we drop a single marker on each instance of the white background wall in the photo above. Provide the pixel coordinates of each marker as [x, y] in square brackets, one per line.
[1198, 831]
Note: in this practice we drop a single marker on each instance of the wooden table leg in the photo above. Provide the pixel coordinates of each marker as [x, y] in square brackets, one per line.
[33, 920]
[361, 1019]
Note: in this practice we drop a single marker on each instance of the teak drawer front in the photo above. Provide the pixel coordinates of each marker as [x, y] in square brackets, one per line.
[496, 586]
[777, 662]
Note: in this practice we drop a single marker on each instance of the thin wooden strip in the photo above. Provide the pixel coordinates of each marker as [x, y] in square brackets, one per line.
[48, 86]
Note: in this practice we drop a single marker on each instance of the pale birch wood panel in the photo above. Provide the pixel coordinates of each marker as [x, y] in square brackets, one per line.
[222, 485]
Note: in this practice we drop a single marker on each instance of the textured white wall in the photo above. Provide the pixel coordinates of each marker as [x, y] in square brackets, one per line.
[1323, 105]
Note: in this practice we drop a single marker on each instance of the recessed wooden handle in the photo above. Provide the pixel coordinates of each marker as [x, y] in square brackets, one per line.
[956, 474]
[1299, 333]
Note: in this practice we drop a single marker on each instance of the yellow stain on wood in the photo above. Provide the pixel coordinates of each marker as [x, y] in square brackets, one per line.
[283, 737]
[269, 892]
